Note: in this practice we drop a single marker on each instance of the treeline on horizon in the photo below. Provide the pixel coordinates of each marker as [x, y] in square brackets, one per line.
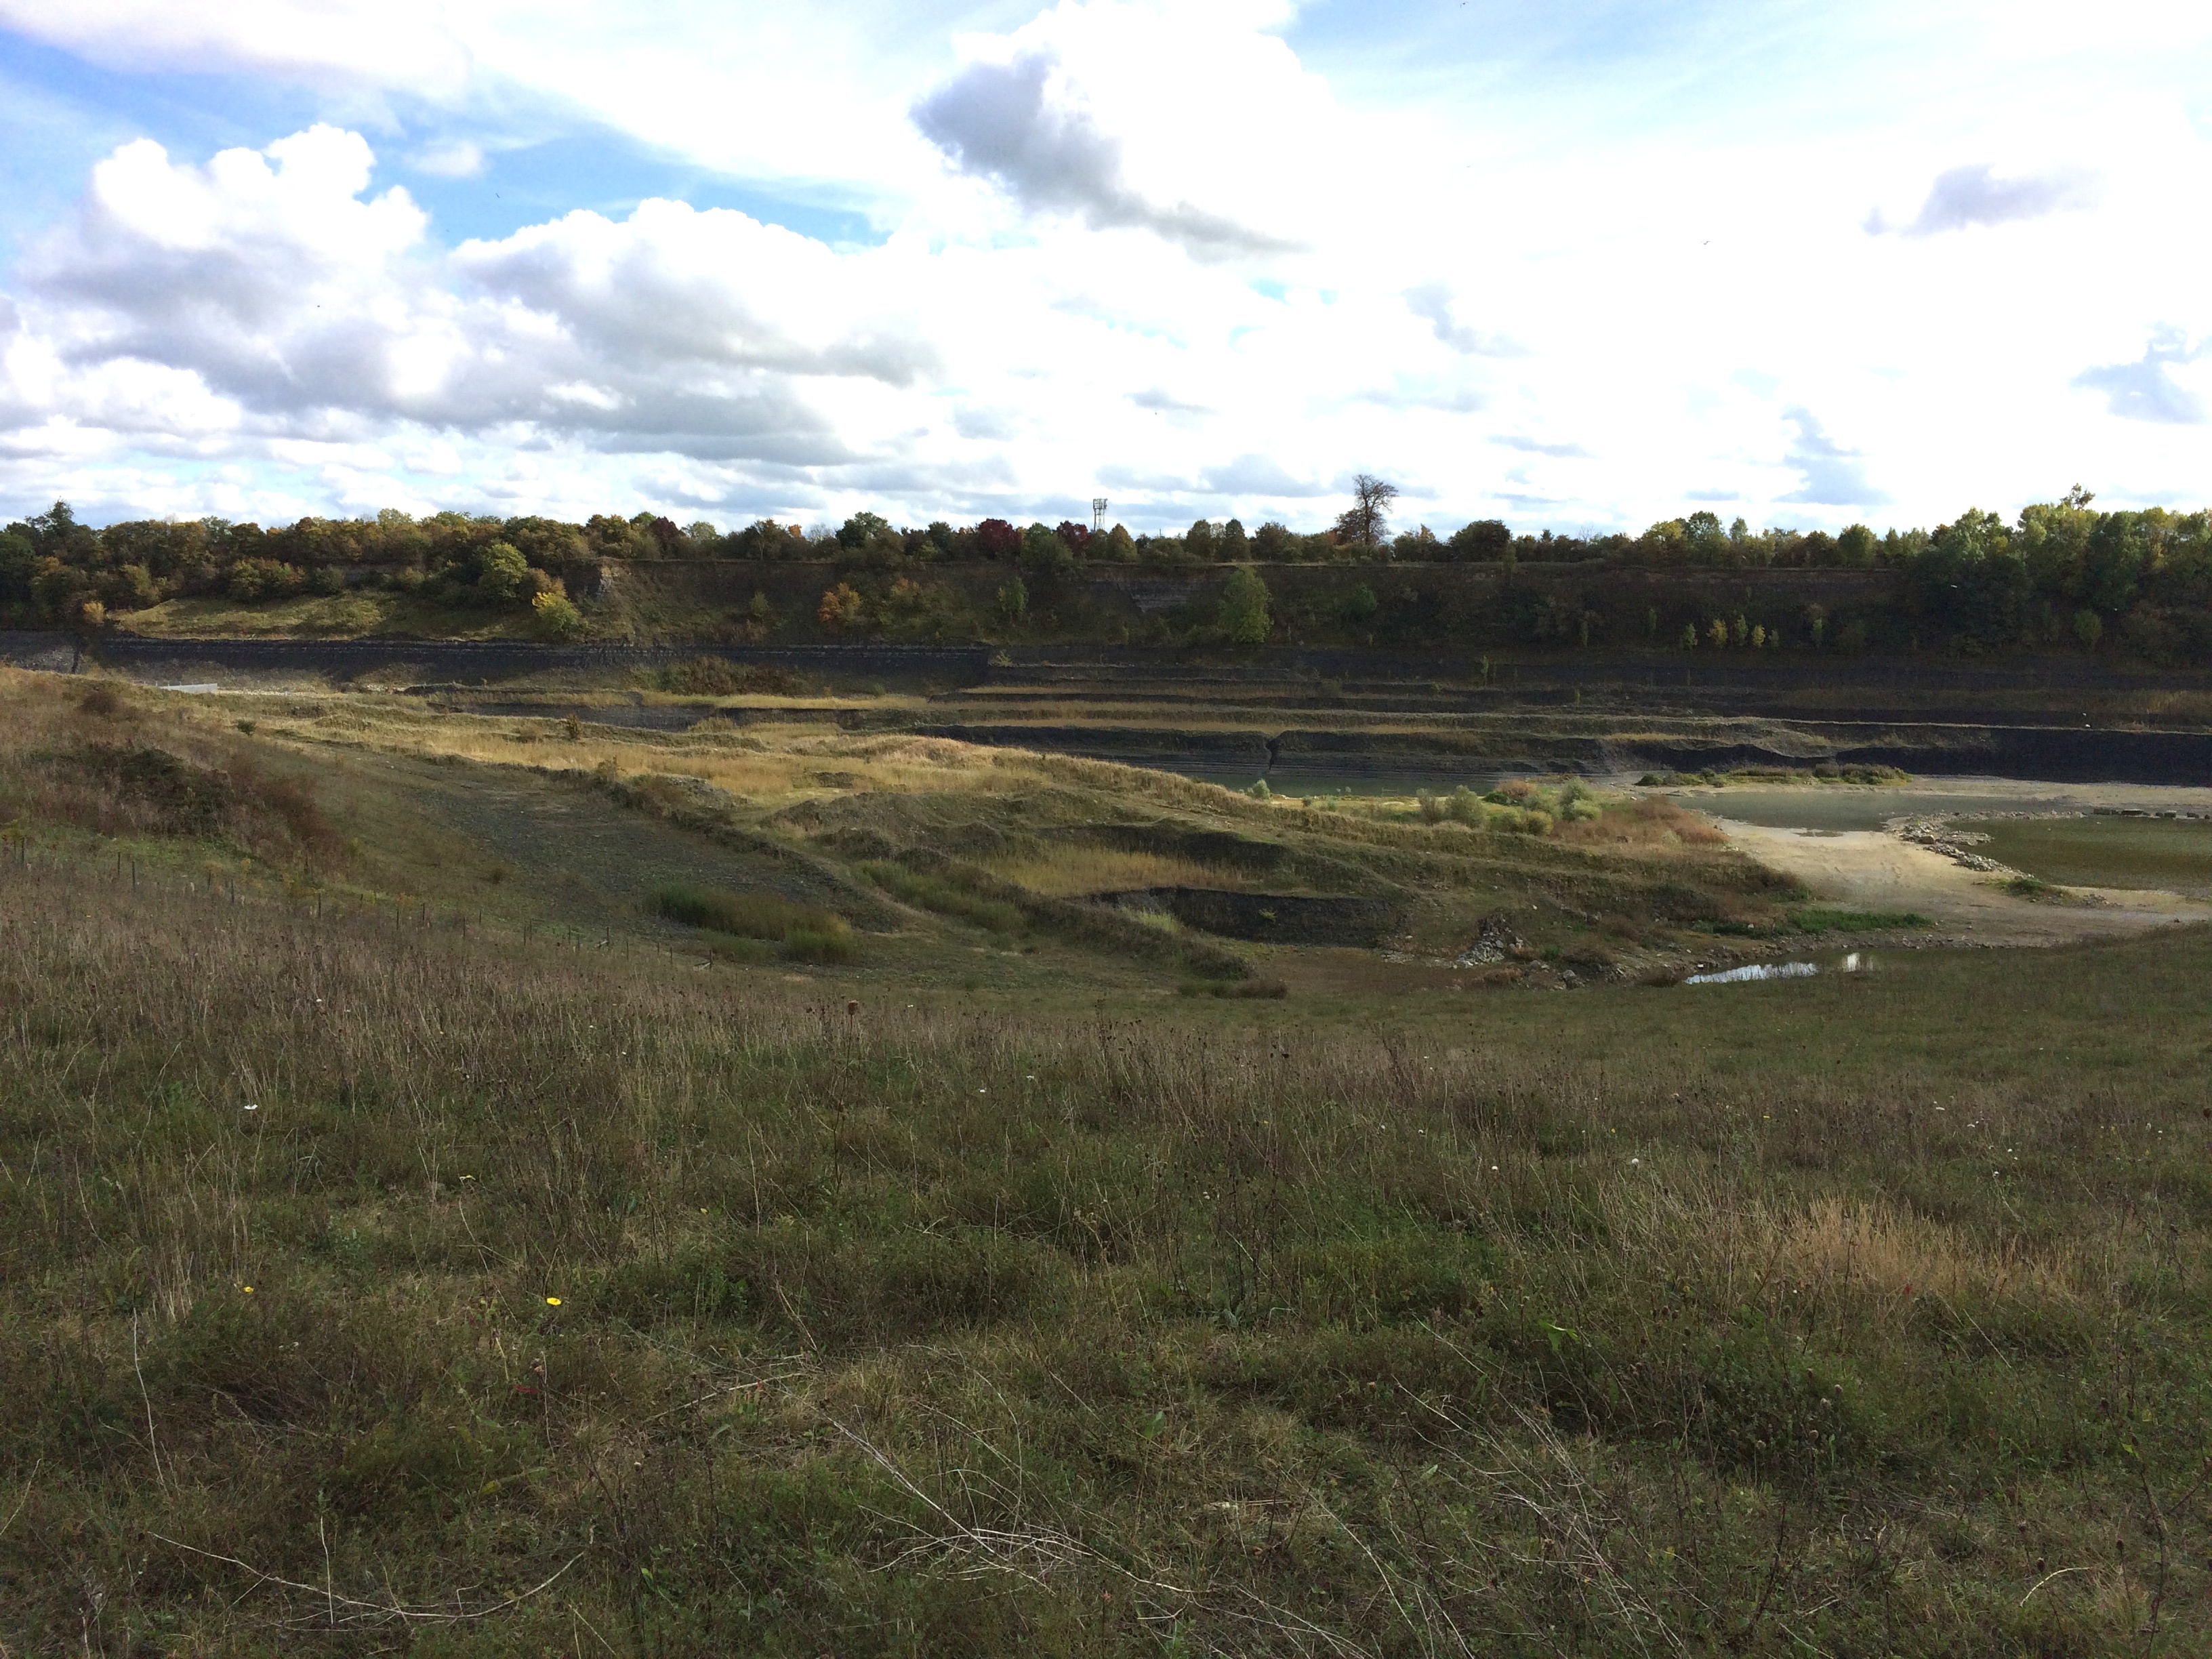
[2061, 574]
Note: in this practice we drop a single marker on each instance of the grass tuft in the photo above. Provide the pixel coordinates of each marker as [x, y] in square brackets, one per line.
[928, 891]
[1820, 919]
[718, 676]
[807, 933]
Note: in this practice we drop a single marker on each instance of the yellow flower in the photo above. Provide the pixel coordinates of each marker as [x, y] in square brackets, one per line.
[249, 1290]
[552, 1301]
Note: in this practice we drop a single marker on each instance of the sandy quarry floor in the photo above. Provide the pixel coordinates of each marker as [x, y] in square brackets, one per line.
[1873, 869]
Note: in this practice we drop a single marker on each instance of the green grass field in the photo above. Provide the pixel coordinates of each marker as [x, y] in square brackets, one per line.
[396, 1258]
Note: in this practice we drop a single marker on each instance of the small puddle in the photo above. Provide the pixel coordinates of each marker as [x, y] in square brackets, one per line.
[1856, 963]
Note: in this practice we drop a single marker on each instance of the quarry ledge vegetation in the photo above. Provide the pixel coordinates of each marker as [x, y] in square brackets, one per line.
[512, 1240]
[2063, 577]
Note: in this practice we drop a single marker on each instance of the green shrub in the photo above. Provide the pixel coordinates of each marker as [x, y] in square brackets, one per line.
[1265, 990]
[834, 943]
[502, 574]
[554, 617]
[807, 933]
[1244, 618]
[1818, 918]
[947, 898]
[1539, 807]
[252, 581]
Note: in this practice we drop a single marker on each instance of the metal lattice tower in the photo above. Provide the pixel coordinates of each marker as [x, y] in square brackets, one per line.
[1097, 513]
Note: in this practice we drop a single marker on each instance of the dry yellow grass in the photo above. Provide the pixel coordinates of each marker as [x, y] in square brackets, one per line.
[1062, 871]
[1889, 1250]
[1649, 823]
[770, 763]
[1861, 1257]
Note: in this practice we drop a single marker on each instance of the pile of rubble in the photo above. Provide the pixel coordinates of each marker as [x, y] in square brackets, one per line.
[1494, 944]
[1952, 842]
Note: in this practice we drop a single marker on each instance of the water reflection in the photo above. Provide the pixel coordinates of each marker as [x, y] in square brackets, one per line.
[1752, 971]
[1849, 806]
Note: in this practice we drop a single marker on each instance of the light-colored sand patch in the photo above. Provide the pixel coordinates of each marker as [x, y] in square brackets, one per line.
[1873, 869]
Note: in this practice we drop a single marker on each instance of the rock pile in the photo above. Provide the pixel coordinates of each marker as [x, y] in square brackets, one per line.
[1494, 944]
[1952, 842]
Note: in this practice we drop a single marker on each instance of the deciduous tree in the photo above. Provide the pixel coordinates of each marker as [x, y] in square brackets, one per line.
[1364, 523]
[1244, 617]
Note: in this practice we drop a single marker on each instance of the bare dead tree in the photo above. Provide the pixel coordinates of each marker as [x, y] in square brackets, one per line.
[1363, 525]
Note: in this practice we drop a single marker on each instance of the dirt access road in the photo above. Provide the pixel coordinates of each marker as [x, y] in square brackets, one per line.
[1874, 870]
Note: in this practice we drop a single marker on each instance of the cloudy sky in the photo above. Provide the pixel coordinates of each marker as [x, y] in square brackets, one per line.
[1581, 264]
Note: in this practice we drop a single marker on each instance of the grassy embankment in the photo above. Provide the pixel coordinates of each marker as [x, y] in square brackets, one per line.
[364, 614]
[366, 1281]
[955, 834]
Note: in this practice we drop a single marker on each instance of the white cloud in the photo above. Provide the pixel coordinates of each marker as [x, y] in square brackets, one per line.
[1967, 196]
[1021, 125]
[396, 42]
[1261, 477]
[308, 309]
[1134, 246]
[1537, 446]
[2145, 390]
[1435, 304]
[1162, 402]
[987, 424]
[453, 158]
[673, 287]
[1832, 475]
